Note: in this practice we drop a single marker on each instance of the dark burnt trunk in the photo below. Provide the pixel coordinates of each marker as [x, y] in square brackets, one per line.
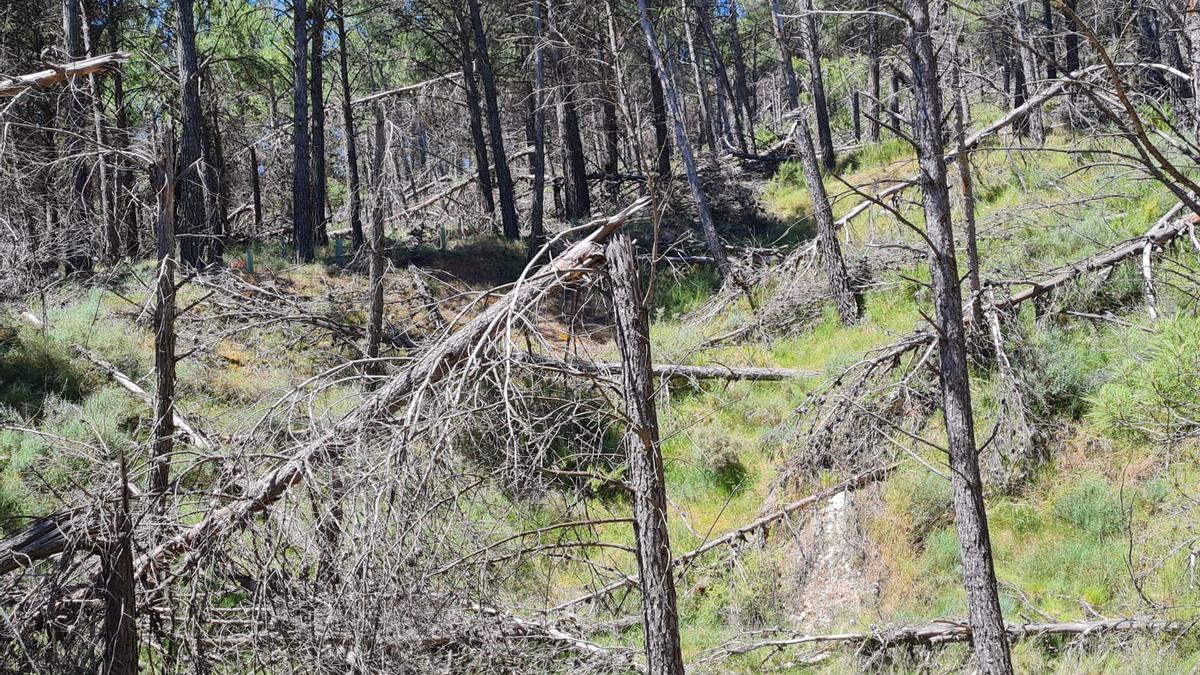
[662, 137]
[508, 206]
[989, 638]
[483, 173]
[353, 184]
[302, 231]
[537, 235]
[317, 88]
[193, 222]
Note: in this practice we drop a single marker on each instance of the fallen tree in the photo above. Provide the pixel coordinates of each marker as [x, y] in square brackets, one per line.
[675, 371]
[62, 531]
[744, 532]
[61, 72]
[1162, 233]
[945, 632]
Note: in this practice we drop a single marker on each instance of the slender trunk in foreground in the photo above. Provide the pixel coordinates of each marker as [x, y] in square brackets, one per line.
[660, 617]
[979, 577]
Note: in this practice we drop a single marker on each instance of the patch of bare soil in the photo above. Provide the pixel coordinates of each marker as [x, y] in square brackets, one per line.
[827, 574]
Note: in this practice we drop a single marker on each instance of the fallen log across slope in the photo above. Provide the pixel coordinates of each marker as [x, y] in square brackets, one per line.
[675, 371]
[97, 65]
[741, 533]
[1162, 233]
[944, 632]
[583, 257]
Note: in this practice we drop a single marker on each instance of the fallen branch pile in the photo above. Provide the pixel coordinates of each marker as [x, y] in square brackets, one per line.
[404, 388]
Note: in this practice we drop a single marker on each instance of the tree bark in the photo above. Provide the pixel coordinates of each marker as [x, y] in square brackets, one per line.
[1029, 70]
[704, 115]
[963, 164]
[791, 88]
[844, 297]
[979, 578]
[78, 213]
[741, 91]
[163, 438]
[316, 86]
[1048, 40]
[353, 184]
[875, 109]
[574, 165]
[120, 598]
[537, 200]
[662, 137]
[685, 150]
[820, 105]
[193, 223]
[375, 311]
[660, 617]
[1191, 26]
[255, 191]
[302, 231]
[508, 206]
[475, 116]
[124, 207]
[1071, 39]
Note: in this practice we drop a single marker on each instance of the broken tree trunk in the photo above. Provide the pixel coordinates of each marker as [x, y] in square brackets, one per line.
[660, 616]
[61, 72]
[163, 435]
[746, 531]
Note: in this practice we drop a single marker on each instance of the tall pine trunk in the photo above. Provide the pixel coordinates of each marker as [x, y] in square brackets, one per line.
[375, 243]
[989, 637]
[820, 105]
[317, 87]
[791, 88]
[830, 251]
[78, 213]
[483, 172]
[193, 223]
[671, 96]
[353, 185]
[537, 235]
[508, 205]
[302, 232]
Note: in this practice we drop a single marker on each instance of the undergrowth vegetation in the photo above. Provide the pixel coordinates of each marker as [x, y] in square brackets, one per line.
[1116, 398]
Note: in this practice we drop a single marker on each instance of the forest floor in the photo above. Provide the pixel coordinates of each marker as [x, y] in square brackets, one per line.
[1103, 525]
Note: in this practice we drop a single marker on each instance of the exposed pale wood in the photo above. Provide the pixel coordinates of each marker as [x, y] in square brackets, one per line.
[97, 65]
[404, 91]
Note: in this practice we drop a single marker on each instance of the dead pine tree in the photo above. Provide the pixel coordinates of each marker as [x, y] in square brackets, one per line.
[116, 573]
[164, 324]
[375, 245]
[830, 251]
[675, 108]
[660, 617]
[983, 603]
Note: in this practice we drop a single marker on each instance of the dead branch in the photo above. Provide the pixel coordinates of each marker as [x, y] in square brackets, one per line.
[945, 632]
[97, 65]
[675, 371]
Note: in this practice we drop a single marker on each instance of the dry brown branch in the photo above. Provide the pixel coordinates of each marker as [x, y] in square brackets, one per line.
[97, 65]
